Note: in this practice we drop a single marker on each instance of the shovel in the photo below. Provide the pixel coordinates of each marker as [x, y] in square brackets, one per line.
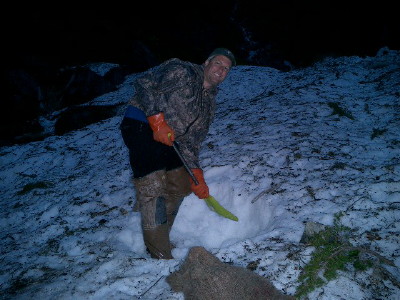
[211, 202]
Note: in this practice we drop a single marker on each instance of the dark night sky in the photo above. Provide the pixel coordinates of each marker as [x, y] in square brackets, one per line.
[298, 31]
[39, 41]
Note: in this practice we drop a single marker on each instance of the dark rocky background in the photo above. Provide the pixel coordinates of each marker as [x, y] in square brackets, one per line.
[47, 47]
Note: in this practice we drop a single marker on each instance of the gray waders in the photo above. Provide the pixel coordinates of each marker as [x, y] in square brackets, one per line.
[159, 195]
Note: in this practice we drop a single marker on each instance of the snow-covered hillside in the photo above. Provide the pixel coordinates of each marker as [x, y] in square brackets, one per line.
[285, 149]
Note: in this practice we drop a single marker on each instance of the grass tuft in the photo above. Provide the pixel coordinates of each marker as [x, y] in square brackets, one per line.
[377, 132]
[35, 185]
[341, 112]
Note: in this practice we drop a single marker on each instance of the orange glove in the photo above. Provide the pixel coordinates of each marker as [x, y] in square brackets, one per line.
[161, 131]
[200, 190]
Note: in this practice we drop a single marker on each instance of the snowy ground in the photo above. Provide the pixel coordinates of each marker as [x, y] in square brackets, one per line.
[275, 156]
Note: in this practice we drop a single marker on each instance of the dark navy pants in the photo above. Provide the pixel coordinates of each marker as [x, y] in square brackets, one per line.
[145, 154]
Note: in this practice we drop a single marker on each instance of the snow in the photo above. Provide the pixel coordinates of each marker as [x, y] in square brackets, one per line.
[276, 156]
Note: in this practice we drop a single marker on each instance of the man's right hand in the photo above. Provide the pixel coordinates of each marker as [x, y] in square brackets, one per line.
[161, 131]
[200, 190]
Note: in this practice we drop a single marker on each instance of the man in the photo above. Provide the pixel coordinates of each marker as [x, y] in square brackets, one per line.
[173, 102]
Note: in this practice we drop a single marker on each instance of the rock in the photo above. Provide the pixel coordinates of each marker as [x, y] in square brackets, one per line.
[77, 117]
[310, 230]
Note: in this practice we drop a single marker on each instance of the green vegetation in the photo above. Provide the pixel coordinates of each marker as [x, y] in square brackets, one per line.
[377, 132]
[338, 166]
[341, 112]
[333, 252]
[36, 185]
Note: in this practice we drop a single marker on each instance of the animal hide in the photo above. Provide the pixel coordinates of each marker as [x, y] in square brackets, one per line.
[203, 276]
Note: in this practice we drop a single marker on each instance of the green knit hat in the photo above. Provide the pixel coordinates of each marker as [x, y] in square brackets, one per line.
[224, 52]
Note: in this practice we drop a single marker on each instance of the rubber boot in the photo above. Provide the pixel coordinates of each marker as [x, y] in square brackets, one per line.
[157, 242]
[136, 205]
[152, 206]
[177, 188]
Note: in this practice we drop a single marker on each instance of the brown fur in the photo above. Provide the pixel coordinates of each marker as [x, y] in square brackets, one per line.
[204, 277]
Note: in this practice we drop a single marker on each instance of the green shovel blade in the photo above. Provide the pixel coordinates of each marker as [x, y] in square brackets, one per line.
[215, 206]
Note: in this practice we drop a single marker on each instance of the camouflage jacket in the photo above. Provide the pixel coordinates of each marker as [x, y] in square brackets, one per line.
[176, 89]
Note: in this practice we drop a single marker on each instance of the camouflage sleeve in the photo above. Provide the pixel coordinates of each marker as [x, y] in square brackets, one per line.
[190, 148]
[145, 94]
[191, 142]
[152, 88]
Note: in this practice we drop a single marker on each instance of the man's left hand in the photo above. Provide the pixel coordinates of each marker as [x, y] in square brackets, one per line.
[162, 132]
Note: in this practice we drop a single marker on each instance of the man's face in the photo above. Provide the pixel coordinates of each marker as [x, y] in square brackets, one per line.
[215, 70]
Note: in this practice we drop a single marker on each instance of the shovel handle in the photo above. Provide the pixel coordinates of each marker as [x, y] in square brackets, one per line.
[178, 151]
